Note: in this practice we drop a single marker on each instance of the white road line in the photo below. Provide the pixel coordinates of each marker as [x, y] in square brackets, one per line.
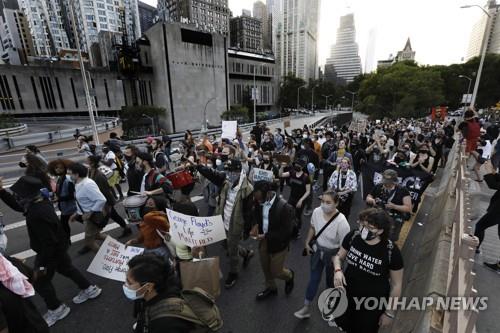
[75, 238]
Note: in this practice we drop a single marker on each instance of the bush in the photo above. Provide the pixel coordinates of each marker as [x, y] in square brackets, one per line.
[236, 112]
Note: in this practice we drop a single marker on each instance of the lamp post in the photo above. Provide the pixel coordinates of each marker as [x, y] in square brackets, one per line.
[312, 98]
[84, 77]
[298, 96]
[204, 126]
[326, 102]
[352, 102]
[468, 88]
[152, 123]
[483, 53]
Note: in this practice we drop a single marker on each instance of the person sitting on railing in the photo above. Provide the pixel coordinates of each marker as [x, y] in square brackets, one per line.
[490, 219]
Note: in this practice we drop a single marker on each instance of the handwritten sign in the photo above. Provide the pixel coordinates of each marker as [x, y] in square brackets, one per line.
[261, 174]
[111, 260]
[195, 230]
[229, 129]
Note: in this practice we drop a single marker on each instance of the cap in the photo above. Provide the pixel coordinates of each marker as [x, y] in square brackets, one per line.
[389, 177]
[27, 187]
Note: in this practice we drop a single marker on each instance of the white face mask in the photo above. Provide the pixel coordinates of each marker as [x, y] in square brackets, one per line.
[131, 294]
[218, 162]
[304, 136]
[327, 208]
[250, 150]
[367, 234]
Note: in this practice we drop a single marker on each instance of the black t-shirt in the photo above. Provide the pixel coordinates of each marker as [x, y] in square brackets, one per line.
[395, 196]
[19, 314]
[368, 266]
[297, 186]
[160, 160]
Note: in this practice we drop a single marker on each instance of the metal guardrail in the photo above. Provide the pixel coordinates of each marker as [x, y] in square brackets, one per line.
[14, 130]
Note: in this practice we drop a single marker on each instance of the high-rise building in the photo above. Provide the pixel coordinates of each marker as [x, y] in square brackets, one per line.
[260, 12]
[478, 34]
[206, 16]
[246, 33]
[117, 16]
[370, 51]
[16, 44]
[344, 54]
[297, 37]
[46, 26]
[9, 4]
[146, 16]
[274, 11]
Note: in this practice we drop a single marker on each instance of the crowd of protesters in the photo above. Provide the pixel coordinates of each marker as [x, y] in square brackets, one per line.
[328, 160]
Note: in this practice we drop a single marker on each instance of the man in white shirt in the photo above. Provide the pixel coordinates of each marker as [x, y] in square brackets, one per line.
[90, 204]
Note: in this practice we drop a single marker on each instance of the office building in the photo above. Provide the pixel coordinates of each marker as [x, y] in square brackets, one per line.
[16, 44]
[297, 38]
[260, 12]
[344, 54]
[146, 16]
[477, 37]
[370, 63]
[246, 33]
[46, 26]
[274, 11]
[205, 16]
[243, 68]
[9, 4]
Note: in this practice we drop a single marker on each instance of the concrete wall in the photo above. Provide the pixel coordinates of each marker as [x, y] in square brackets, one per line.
[54, 91]
[187, 73]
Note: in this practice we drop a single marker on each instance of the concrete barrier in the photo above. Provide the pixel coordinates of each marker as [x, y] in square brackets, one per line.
[23, 128]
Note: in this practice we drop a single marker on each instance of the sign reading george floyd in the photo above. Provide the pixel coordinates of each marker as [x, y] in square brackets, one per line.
[195, 231]
[111, 260]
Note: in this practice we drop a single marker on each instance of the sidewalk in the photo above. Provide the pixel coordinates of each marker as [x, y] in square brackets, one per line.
[487, 282]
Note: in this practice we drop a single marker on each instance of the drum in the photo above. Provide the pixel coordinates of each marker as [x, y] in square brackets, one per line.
[133, 205]
[180, 179]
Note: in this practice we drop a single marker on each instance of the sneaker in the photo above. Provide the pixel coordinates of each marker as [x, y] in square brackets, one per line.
[52, 316]
[89, 293]
[231, 280]
[246, 260]
[494, 267]
[303, 313]
[290, 284]
[126, 231]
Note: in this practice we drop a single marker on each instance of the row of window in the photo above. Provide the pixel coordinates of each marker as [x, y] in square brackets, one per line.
[238, 67]
[242, 93]
[44, 90]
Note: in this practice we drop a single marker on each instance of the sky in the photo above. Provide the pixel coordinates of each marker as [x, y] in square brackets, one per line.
[439, 30]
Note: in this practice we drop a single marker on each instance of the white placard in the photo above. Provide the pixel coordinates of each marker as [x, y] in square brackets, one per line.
[261, 174]
[229, 129]
[111, 260]
[195, 230]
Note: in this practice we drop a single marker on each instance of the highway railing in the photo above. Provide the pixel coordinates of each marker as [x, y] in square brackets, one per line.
[442, 259]
[14, 130]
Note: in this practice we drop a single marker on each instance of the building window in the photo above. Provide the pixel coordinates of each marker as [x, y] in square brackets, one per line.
[95, 93]
[18, 92]
[35, 92]
[107, 92]
[151, 93]
[74, 92]
[59, 93]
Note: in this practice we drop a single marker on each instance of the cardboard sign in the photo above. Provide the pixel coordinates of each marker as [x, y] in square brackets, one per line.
[229, 129]
[195, 230]
[261, 174]
[111, 260]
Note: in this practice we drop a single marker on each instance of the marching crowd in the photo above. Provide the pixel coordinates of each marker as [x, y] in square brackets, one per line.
[326, 160]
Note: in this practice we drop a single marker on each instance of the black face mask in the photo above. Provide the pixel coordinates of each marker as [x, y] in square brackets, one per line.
[128, 158]
[224, 158]
[266, 161]
[22, 165]
[297, 168]
[146, 210]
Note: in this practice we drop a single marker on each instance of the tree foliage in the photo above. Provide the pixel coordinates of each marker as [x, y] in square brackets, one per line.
[236, 112]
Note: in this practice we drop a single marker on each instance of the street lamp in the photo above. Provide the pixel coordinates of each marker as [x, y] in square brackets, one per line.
[326, 103]
[204, 126]
[468, 88]
[84, 77]
[152, 122]
[298, 96]
[483, 53]
[312, 98]
[352, 102]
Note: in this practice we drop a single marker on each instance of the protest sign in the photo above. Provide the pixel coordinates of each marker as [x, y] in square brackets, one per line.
[195, 230]
[111, 260]
[261, 174]
[229, 129]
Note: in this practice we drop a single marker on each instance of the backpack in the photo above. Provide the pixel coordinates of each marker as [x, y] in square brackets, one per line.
[194, 305]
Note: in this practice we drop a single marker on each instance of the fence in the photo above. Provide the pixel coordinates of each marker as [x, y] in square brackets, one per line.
[23, 128]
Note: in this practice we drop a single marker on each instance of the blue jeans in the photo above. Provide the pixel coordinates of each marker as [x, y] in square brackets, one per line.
[321, 259]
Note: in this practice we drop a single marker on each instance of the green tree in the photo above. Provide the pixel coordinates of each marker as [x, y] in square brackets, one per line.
[288, 91]
[236, 112]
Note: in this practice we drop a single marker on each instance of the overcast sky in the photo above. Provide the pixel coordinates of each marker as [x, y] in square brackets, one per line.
[439, 29]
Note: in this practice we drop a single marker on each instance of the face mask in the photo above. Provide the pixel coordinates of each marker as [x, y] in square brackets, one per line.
[327, 209]
[367, 234]
[266, 160]
[297, 168]
[224, 158]
[131, 294]
[148, 210]
[128, 158]
[250, 150]
[218, 162]
[304, 136]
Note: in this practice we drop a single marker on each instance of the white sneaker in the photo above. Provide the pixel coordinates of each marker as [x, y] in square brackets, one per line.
[52, 316]
[89, 293]
[303, 313]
